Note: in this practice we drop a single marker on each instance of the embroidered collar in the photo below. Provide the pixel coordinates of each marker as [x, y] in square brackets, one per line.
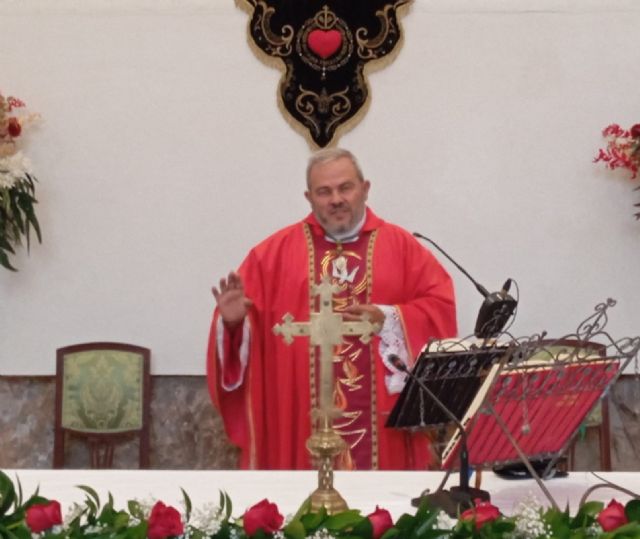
[371, 222]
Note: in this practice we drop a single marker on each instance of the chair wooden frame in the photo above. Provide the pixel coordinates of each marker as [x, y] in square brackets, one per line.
[102, 445]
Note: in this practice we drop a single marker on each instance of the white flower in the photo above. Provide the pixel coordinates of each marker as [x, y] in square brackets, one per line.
[595, 530]
[207, 519]
[73, 512]
[6, 180]
[146, 505]
[13, 168]
[322, 533]
[529, 523]
[445, 522]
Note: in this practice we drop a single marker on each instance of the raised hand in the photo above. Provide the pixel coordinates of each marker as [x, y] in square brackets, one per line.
[232, 303]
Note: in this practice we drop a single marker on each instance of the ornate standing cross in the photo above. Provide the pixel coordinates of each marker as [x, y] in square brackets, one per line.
[326, 330]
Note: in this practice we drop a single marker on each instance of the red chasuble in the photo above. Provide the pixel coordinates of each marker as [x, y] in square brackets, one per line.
[268, 414]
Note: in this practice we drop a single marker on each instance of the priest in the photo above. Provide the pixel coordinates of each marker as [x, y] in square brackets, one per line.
[265, 390]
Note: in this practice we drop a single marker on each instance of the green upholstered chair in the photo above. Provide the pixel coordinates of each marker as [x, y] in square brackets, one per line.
[102, 395]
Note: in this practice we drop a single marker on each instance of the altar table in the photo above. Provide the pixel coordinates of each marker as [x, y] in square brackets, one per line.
[288, 489]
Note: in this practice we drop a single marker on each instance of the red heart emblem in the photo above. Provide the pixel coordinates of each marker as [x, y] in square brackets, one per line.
[324, 42]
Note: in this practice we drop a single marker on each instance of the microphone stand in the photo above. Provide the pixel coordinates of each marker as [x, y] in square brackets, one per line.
[497, 307]
[456, 498]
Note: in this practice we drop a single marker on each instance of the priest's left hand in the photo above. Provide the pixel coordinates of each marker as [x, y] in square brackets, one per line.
[355, 313]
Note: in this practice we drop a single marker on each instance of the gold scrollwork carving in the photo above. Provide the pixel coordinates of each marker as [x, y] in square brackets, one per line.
[309, 104]
[370, 49]
[279, 45]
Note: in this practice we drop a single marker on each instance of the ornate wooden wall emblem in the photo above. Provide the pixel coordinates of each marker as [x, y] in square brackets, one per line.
[324, 45]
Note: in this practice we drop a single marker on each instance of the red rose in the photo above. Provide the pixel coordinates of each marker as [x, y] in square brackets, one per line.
[482, 513]
[381, 521]
[13, 127]
[164, 521]
[612, 516]
[263, 515]
[42, 516]
[635, 131]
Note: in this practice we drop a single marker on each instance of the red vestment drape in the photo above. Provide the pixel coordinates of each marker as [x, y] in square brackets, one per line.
[268, 415]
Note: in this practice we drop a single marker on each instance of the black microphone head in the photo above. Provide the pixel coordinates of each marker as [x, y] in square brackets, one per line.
[397, 362]
[494, 314]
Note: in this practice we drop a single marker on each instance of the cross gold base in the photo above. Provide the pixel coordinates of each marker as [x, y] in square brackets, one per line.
[324, 445]
[329, 499]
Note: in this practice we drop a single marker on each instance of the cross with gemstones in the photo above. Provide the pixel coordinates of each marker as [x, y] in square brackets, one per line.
[326, 330]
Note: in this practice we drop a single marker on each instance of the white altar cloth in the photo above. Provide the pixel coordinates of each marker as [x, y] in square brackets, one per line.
[288, 489]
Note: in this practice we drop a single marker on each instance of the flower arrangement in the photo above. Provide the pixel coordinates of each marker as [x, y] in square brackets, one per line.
[622, 151]
[41, 518]
[17, 183]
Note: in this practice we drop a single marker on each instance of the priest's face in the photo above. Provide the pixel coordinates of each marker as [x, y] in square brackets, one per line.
[337, 195]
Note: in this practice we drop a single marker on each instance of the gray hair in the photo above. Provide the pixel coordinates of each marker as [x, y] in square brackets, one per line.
[332, 154]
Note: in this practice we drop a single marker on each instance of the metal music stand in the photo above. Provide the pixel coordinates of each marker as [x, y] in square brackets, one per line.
[523, 400]
[444, 382]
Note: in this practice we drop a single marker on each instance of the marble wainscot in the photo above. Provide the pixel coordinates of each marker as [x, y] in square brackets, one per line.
[187, 432]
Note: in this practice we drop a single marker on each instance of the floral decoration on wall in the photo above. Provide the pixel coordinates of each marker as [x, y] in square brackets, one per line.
[17, 182]
[622, 151]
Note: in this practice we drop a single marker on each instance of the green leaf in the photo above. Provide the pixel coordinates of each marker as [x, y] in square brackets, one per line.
[187, 505]
[586, 514]
[35, 499]
[19, 493]
[406, 522]
[632, 510]
[228, 506]
[7, 491]
[135, 510]
[502, 526]
[121, 520]
[107, 515]
[92, 494]
[22, 532]
[363, 529]
[136, 532]
[6, 533]
[4, 261]
[433, 533]
[391, 533]
[312, 521]
[304, 508]
[424, 527]
[294, 530]
[343, 520]
[559, 524]
[4, 244]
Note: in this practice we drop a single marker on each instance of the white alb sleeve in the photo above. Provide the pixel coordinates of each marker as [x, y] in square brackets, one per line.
[392, 343]
[243, 353]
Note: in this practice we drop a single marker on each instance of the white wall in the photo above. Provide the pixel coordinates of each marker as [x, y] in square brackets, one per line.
[163, 157]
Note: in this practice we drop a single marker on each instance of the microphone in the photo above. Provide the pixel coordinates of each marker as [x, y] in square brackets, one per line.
[497, 307]
[462, 496]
